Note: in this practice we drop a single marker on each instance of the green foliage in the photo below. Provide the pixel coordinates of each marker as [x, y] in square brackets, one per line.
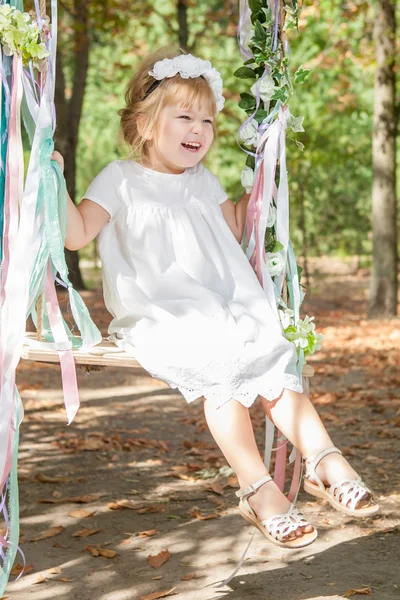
[331, 178]
[245, 73]
[301, 75]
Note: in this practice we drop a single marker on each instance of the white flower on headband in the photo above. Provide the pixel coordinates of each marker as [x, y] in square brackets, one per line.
[191, 66]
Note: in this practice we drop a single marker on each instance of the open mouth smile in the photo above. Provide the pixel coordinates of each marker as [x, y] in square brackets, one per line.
[191, 146]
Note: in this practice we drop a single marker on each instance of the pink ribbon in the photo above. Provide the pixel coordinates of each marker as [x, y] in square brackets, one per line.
[294, 488]
[13, 176]
[280, 462]
[253, 217]
[67, 362]
[13, 192]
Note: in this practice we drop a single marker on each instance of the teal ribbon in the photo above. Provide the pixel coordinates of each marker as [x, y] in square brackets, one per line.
[13, 505]
[4, 144]
[52, 200]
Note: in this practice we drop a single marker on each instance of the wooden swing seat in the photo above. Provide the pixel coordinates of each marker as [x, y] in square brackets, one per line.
[105, 354]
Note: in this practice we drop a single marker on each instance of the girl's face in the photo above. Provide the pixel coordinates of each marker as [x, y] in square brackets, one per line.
[182, 138]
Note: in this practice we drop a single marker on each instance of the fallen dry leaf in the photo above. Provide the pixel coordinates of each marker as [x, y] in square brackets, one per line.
[190, 576]
[366, 591]
[93, 551]
[18, 568]
[48, 533]
[107, 553]
[48, 479]
[156, 595]
[80, 513]
[147, 533]
[85, 532]
[147, 509]
[232, 481]
[196, 514]
[64, 579]
[73, 499]
[54, 571]
[158, 559]
[40, 579]
[100, 551]
[216, 488]
[125, 503]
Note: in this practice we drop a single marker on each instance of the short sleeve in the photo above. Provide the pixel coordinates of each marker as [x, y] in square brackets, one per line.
[217, 191]
[104, 189]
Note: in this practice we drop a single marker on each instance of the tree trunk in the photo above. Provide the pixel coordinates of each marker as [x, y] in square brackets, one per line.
[183, 31]
[69, 114]
[384, 286]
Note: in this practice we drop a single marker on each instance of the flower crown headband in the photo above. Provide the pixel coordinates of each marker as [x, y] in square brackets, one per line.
[188, 66]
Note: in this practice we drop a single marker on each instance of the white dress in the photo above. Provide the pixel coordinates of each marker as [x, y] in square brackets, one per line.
[184, 298]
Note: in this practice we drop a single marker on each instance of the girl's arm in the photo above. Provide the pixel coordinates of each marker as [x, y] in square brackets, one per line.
[85, 221]
[235, 215]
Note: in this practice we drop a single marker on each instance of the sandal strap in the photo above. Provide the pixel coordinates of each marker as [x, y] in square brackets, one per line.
[311, 465]
[279, 526]
[253, 486]
[349, 492]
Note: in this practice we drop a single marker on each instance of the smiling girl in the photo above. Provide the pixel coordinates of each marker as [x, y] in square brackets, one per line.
[185, 301]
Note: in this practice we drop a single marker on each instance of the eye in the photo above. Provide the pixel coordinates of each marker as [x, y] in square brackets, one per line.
[208, 121]
[184, 117]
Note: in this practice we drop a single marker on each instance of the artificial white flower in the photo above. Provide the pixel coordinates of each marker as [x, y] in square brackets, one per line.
[274, 262]
[247, 179]
[249, 134]
[266, 87]
[286, 317]
[190, 66]
[271, 216]
[163, 68]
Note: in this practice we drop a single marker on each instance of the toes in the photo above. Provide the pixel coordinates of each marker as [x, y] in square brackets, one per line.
[298, 532]
[364, 502]
[290, 536]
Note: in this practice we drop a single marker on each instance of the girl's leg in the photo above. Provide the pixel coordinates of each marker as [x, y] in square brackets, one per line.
[297, 419]
[231, 427]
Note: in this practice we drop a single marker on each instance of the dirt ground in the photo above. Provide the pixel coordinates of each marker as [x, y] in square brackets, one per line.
[136, 479]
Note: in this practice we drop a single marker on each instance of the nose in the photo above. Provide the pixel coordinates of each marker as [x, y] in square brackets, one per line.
[197, 127]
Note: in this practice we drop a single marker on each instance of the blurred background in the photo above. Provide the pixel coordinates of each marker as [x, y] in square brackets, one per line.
[346, 45]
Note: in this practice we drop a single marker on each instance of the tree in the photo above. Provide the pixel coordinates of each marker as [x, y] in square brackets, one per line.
[69, 115]
[384, 286]
[80, 26]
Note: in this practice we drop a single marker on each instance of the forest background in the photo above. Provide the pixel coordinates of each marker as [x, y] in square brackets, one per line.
[101, 43]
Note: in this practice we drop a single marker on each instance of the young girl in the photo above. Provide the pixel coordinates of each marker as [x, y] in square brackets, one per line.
[185, 300]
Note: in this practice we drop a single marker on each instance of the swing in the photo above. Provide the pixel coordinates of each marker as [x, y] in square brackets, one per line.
[32, 248]
[105, 354]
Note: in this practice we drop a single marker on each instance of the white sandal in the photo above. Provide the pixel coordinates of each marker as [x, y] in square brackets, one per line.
[277, 527]
[344, 494]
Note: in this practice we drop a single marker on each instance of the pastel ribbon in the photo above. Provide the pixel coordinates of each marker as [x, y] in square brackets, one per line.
[33, 243]
[271, 151]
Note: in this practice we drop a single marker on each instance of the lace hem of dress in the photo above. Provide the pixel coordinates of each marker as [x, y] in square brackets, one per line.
[220, 395]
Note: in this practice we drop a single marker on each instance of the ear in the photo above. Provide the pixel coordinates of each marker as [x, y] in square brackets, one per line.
[143, 129]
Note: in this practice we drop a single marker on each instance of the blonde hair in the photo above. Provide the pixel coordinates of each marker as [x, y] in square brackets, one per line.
[140, 115]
